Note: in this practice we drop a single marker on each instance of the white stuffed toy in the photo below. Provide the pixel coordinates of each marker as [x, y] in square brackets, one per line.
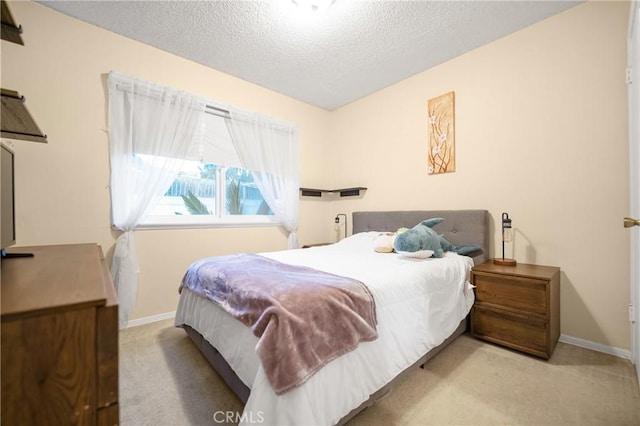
[384, 243]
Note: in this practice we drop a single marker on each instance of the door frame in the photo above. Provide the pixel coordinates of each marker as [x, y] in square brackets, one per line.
[633, 80]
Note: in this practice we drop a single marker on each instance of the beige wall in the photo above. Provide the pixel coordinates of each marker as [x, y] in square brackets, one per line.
[540, 133]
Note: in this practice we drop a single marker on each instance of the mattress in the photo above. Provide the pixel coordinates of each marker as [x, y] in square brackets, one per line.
[419, 303]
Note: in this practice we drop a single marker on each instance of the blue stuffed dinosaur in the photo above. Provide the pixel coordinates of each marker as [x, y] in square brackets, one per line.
[422, 237]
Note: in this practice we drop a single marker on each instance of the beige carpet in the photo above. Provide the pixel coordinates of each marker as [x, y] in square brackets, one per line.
[165, 381]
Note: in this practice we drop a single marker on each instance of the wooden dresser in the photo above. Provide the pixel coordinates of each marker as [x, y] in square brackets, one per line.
[517, 306]
[59, 337]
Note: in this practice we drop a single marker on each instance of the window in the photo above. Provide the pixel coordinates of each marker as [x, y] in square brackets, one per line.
[158, 135]
[211, 191]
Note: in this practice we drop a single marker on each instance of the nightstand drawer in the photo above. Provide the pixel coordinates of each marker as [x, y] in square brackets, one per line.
[523, 334]
[516, 293]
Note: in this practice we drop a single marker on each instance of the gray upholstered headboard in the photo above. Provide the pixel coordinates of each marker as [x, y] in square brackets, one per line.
[460, 227]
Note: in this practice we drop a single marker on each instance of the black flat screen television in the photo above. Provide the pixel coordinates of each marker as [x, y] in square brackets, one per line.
[7, 203]
[7, 198]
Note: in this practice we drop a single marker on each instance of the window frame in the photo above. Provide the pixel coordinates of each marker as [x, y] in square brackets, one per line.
[220, 219]
[229, 221]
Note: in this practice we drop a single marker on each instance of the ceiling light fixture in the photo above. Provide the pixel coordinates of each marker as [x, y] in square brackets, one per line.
[314, 6]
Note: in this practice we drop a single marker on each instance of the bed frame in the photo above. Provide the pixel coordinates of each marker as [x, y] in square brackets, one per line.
[460, 227]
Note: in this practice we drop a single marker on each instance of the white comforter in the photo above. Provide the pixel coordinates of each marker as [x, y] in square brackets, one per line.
[419, 303]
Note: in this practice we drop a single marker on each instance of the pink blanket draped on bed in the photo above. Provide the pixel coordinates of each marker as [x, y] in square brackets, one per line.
[303, 317]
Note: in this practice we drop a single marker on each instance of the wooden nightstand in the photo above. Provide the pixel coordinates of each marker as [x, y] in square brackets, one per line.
[517, 306]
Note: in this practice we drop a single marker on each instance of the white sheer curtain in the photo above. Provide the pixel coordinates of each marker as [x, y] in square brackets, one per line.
[151, 130]
[269, 148]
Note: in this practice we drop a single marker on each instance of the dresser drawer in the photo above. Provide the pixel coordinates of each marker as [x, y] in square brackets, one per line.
[527, 334]
[59, 332]
[511, 292]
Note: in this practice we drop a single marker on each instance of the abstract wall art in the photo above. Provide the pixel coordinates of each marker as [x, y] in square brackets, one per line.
[441, 114]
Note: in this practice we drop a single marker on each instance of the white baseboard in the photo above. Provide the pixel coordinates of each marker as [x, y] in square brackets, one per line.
[149, 320]
[598, 347]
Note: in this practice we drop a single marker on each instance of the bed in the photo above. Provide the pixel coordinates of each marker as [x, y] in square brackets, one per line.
[415, 320]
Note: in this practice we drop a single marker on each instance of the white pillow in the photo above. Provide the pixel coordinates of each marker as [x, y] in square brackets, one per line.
[361, 241]
[421, 254]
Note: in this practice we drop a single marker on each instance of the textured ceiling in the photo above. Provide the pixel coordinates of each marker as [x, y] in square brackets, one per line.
[355, 48]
